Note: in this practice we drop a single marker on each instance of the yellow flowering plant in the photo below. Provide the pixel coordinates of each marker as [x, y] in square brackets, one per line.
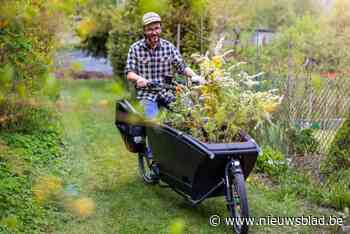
[225, 106]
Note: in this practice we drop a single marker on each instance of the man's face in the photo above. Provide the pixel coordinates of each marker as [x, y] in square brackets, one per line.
[152, 32]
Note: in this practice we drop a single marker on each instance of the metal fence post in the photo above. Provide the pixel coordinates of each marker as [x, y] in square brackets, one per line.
[178, 40]
[201, 35]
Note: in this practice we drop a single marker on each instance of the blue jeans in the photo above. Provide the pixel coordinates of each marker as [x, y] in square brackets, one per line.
[150, 107]
[151, 110]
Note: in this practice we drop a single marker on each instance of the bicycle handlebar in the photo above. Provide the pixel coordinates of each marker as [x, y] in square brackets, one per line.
[157, 86]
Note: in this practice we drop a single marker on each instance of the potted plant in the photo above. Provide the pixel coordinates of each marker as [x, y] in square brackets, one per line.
[223, 108]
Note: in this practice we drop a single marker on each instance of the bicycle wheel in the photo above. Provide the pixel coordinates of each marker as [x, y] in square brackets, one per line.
[145, 167]
[238, 202]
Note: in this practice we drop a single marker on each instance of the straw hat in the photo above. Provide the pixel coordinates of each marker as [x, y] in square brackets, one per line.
[150, 17]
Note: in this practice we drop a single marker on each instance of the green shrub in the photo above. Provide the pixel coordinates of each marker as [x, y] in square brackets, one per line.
[287, 137]
[338, 189]
[338, 156]
[273, 135]
[30, 134]
[339, 196]
[119, 42]
[27, 42]
[302, 141]
[28, 118]
[336, 168]
[271, 162]
[94, 29]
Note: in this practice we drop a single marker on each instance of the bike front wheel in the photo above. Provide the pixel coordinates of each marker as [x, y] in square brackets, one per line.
[238, 202]
[146, 165]
[145, 168]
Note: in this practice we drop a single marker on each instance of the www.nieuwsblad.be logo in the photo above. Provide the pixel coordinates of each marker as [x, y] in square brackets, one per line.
[215, 220]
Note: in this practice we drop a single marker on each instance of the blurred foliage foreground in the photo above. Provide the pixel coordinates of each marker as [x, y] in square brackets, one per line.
[30, 148]
[30, 130]
[28, 39]
[34, 194]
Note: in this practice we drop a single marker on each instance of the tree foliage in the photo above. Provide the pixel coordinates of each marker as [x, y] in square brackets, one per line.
[94, 29]
[28, 31]
[122, 26]
[335, 47]
[292, 45]
[272, 14]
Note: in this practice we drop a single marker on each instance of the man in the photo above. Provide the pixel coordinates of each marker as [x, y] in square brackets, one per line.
[152, 59]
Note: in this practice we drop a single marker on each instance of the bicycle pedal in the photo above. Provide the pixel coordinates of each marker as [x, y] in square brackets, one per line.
[154, 177]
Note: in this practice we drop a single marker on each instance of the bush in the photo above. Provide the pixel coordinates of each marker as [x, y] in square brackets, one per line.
[27, 42]
[302, 141]
[338, 194]
[94, 30]
[336, 168]
[271, 162]
[273, 135]
[338, 156]
[126, 30]
[119, 42]
[28, 118]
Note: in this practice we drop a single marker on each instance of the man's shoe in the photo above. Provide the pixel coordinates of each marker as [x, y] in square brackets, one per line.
[153, 176]
[154, 173]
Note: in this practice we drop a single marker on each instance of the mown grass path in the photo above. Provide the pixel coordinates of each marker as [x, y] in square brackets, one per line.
[101, 168]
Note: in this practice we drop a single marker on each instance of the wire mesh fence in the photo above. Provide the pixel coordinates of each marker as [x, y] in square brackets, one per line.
[323, 110]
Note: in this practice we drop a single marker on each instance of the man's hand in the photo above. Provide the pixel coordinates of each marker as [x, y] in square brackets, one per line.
[198, 79]
[141, 82]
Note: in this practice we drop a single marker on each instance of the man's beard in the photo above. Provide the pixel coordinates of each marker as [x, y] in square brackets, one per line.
[153, 40]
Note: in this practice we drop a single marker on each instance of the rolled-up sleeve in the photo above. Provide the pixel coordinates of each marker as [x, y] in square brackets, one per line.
[178, 61]
[131, 62]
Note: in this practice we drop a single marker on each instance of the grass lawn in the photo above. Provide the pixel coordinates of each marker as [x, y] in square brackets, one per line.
[100, 168]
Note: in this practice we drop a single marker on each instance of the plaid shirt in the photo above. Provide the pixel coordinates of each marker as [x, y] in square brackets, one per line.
[154, 65]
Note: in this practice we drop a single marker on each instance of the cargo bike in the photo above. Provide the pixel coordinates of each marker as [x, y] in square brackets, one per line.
[196, 170]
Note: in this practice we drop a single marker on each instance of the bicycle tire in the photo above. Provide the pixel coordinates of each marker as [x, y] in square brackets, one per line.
[238, 206]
